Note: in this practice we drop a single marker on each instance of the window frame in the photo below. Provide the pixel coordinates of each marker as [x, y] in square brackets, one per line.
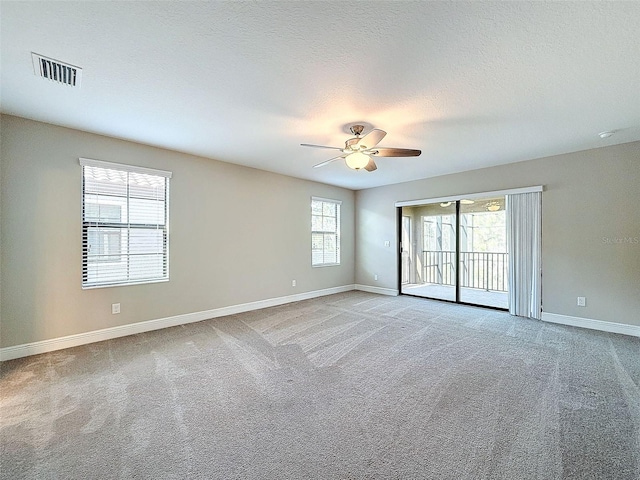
[323, 232]
[122, 226]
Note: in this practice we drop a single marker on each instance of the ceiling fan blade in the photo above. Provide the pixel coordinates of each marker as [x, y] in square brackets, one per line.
[326, 162]
[395, 152]
[319, 146]
[371, 166]
[351, 141]
[372, 138]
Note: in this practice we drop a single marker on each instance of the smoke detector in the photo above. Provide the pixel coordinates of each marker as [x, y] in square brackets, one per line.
[56, 71]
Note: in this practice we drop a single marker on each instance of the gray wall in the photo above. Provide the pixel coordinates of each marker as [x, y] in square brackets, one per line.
[222, 214]
[590, 224]
[237, 235]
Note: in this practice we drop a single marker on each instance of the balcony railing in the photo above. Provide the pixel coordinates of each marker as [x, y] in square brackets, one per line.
[439, 266]
[483, 270]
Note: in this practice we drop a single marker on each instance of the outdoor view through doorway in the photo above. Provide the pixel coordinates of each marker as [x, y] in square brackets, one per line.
[456, 251]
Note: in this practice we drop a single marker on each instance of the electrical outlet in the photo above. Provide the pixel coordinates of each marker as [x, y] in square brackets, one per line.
[387, 243]
[375, 277]
[115, 308]
[582, 301]
[293, 283]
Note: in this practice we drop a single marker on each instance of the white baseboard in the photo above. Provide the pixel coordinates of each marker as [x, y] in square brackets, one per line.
[603, 326]
[44, 346]
[379, 290]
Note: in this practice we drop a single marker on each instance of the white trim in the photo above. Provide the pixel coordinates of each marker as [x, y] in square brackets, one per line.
[44, 346]
[470, 196]
[125, 284]
[378, 290]
[121, 166]
[601, 325]
[328, 200]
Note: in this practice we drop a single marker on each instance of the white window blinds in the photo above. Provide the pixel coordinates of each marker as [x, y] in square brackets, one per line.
[125, 227]
[325, 232]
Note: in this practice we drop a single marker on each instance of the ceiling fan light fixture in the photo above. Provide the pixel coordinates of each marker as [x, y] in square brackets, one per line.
[357, 160]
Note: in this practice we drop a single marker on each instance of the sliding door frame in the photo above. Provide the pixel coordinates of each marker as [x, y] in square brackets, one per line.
[399, 247]
[457, 249]
[457, 252]
[456, 199]
[457, 255]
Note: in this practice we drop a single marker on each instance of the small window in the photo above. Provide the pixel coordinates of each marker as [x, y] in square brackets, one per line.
[325, 232]
[125, 227]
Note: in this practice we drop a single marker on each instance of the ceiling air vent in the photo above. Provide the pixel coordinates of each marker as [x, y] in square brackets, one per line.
[56, 71]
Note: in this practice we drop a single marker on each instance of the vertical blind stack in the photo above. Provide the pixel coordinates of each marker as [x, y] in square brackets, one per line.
[524, 238]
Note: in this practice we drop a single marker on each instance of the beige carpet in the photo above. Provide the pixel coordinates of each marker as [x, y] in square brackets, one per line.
[350, 386]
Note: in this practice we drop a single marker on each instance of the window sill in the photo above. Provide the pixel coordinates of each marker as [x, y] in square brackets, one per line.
[144, 282]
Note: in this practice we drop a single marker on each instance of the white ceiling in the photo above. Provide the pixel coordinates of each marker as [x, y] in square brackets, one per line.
[471, 84]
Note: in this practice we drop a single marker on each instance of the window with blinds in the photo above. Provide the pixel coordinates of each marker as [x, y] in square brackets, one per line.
[125, 224]
[325, 232]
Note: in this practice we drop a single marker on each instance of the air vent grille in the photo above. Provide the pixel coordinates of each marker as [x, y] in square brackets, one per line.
[56, 71]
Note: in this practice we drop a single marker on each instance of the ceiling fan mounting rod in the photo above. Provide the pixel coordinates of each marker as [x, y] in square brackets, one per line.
[357, 129]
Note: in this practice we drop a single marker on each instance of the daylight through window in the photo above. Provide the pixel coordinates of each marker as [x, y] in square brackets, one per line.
[325, 232]
[125, 225]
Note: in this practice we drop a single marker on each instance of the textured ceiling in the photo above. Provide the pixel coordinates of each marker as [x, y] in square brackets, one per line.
[470, 84]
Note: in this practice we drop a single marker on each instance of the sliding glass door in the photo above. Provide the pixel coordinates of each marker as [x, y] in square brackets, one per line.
[455, 251]
[484, 261]
[432, 257]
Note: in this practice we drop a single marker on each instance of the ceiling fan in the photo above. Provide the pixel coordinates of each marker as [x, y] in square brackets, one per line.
[358, 152]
